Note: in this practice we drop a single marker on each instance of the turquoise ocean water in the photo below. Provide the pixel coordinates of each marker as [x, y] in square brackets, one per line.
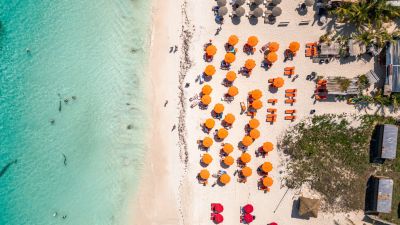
[81, 157]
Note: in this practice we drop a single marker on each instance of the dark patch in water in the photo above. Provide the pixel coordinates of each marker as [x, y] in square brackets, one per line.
[65, 159]
[6, 167]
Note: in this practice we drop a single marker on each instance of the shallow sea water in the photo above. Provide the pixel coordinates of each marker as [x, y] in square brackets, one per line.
[72, 116]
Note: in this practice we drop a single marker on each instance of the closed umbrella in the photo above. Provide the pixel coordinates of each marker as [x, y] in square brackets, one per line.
[224, 178]
[240, 11]
[205, 99]
[276, 2]
[247, 141]
[209, 70]
[222, 11]
[266, 167]
[219, 108]
[233, 40]
[211, 50]
[267, 147]
[258, 12]
[229, 160]
[246, 171]
[276, 11]
[248, 208]
[309, 2]
[229, 118]
[206, 89]
[230, 76]
[209, 123]
[254, 133]
[245, 157]
[256, 94]
[206, 159]
[204, 174]
[250, 64]
[233, 91]
[207, 142]
[271, 57]
[229, 57]
[221, 3]
[227, 148]
[254, 123]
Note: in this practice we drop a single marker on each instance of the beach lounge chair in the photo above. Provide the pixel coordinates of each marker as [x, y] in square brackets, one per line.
[289, 71]
[290, 95]
[290, 101]
[290, 118]
[290, 111]
[271, 119]
[291, 90]
[271, 110]
[243, 107]
[308, 52]
[194, 104]
[272, 100]
[271, 80]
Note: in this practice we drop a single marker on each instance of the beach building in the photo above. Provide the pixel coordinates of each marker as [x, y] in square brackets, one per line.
[385, 141]
[392, 79]
[308, 207]
[329, 50]
[379, 195]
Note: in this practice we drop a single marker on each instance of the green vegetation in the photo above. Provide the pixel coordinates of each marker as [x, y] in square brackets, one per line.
[379, 99]
[331, 154]
[343, 82]
[363, 82]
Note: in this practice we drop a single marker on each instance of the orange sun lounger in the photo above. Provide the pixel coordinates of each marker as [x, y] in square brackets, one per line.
[290, 118]
[271, 110]
[272, 100]
[291, 90]
[290, 101]
[289, 71]
[290, 95]
[290, 111]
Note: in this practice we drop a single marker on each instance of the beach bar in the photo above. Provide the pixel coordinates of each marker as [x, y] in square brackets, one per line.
[379, 195]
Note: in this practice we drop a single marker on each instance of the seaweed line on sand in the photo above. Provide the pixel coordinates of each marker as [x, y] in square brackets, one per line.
[185, 65]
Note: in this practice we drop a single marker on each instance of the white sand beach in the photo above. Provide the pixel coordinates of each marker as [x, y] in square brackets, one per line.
[169, 192]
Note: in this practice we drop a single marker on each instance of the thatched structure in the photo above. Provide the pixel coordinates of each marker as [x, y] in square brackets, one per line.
[309, 207]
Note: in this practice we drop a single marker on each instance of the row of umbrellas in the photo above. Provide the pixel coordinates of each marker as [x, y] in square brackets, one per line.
[240, 11]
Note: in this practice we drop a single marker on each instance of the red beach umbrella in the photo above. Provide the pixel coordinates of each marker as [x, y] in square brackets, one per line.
[273, 223]
[248, 208]
[218, 218]
[218, 208]
[248, 218]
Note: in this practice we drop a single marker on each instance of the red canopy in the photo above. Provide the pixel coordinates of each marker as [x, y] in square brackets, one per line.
[248, 208]
[218, 218]
[273, 223]
[248, 218]
[217, 207]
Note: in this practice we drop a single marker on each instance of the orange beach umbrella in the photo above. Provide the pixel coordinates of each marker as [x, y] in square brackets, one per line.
[227, 148]
[257, 104]
[233, 40]
[206, 159]
[271, 57]
[231, 76]
[266, 167]
[246, 171]
[222, 133]
[250, 64]
[219, 108]
[209, 123]
[233, 91]
[278, 82]
[245, 157]
[207, 142]
[267, 181]
[256, 94]
[254, 123]
[206, 89]
[211, 50]
[267, 147]
[254, 133]
[224, 178]
[229, 118]
[229, 160]
[252, 41]
[294, 46]
[247, 141]
[273, 46]
[204, 174]
[209, 70]
[229, 57]
[205, 99]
